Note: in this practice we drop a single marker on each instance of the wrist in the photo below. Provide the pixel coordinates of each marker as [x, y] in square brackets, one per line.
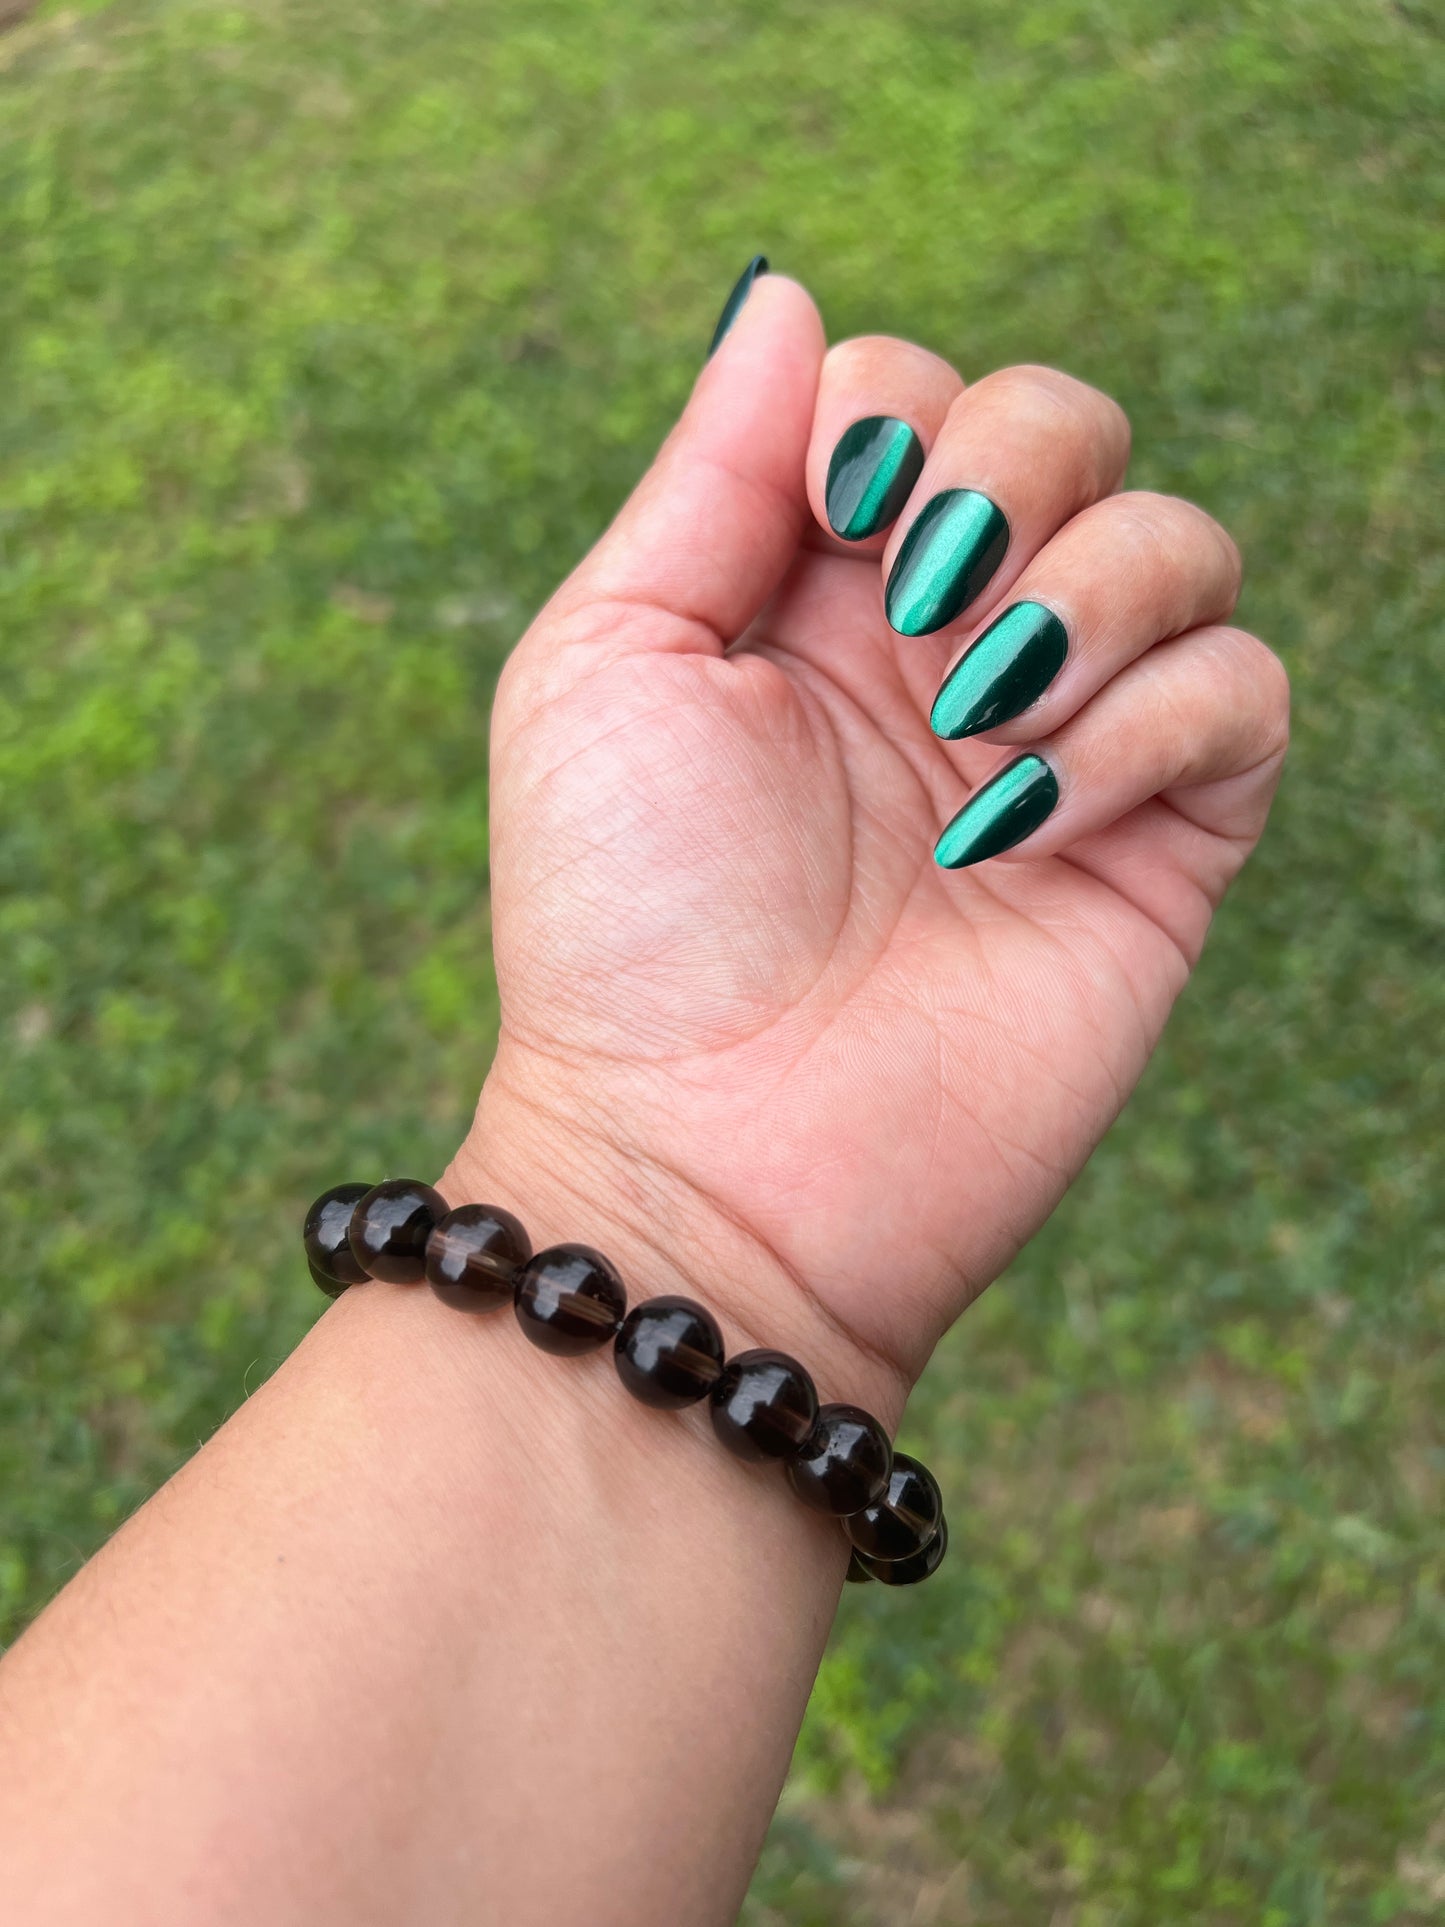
[610, 1583]
[559, 1154]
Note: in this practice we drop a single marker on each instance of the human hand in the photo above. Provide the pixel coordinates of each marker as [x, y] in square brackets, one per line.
[757, 1043]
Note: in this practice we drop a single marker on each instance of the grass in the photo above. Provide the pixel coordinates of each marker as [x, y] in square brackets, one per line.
[331, 336]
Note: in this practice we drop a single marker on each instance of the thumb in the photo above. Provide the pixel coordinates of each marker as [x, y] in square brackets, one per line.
[709, 531]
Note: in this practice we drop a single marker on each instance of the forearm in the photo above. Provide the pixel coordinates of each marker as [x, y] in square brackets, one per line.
[435, 1628]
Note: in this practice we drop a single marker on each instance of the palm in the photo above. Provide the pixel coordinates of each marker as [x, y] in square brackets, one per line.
[715, 897]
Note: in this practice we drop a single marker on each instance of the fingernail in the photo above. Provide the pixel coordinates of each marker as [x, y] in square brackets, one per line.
[732, 307]
[1010, 666]
[1009, 807]
[954, 546]
[870, 476]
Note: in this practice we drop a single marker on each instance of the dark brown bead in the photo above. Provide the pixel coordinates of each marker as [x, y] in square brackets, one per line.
[328, 1250]
[764, 1405]
[669, 1352]
[905, 1518]
[857, 1573]
[320, 1279]
[390, 1227]
[844, 1465]
[473, 1254]
[913, 1570]
[569, 1299]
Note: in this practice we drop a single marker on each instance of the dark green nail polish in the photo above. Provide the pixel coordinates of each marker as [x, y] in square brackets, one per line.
[1010, 666]
[732, 307]
[873, 469]
[947, 557]
[1009, 807]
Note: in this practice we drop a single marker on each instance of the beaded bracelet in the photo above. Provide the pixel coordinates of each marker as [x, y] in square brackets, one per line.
[569, 1299]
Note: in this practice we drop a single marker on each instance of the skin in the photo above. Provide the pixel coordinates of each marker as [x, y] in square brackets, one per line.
[432, 1629]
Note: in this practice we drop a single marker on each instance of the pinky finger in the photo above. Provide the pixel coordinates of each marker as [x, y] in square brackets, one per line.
[1201, 723]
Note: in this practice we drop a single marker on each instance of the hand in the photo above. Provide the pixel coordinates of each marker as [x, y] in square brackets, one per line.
[756, 1042]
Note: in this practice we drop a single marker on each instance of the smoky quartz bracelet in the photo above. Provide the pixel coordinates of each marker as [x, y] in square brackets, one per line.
[669, 1352]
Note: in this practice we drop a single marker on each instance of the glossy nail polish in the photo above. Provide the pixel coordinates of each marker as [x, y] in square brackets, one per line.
[948, 556]
[1010, 666]
[732, 307]
[870, 476]
[1009, 807]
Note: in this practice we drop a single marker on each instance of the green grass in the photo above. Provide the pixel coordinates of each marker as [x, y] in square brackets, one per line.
[331, 335]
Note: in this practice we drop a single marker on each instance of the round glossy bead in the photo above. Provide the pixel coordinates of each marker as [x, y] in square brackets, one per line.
[905, 1518]
[328, 1251]
[764, 1405]
[473, 1255]
[913, 1570]
[857, 1573]
[390, 1227]
[569, 1299]
[844, 1464]
[669, 1352]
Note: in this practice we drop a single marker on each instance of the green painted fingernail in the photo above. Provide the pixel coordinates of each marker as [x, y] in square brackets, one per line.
[872, 472]
[732, 307]
[947, 557]
[1010, 666]
[1009, 807]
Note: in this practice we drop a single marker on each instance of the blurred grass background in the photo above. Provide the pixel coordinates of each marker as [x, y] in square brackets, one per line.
[331, 336]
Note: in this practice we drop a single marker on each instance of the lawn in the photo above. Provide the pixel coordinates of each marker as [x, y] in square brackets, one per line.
[330, 335]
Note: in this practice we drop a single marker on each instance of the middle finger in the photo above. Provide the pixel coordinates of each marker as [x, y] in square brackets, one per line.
[1020, 453]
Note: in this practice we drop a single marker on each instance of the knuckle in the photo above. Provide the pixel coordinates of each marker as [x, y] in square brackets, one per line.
[1137, 519]
[1175, 538]
[1053, 401]
[1166, 519]
[1031, 386]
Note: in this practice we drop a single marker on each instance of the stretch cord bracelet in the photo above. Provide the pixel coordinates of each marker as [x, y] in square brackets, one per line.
[569, 1299]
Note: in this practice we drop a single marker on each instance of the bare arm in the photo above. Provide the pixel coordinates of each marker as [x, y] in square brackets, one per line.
[435, 1629]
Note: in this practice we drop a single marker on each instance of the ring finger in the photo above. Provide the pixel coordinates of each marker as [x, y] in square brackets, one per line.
[1125, 574]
